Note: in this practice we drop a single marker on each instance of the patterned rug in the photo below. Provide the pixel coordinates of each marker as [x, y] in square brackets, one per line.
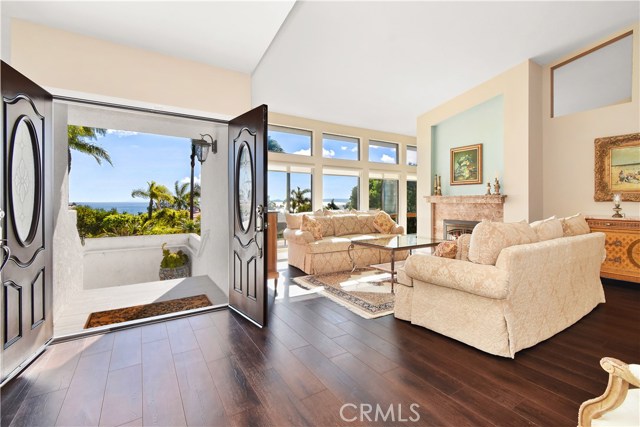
[366, 291]
[109, 317]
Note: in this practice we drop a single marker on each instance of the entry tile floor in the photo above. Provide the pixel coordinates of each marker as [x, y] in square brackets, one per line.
[74, 315]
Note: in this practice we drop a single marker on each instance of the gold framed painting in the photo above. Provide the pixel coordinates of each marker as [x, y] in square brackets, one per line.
[466, 165]
[617, 167]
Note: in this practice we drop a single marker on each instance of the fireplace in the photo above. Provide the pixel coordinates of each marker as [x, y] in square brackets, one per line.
[454, 228]
[463, 208]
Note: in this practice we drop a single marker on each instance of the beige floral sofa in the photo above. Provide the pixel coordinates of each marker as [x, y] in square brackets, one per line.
[323, 247]
[509, 287]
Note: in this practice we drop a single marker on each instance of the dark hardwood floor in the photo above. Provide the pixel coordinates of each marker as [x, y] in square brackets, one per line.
[314, 358]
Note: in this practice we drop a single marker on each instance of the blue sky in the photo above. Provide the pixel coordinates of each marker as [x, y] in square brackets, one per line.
[137, 158]
[334, 187]
[331, 148]
[292, 143]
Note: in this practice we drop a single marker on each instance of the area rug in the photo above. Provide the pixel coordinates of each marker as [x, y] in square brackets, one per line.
[109, 317]
[366, 291]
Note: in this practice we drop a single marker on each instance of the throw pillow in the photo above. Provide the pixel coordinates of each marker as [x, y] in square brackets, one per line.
[294, 221]
[446, 250]
[490, 238]
[463, 247]
[345, 224]
[312, 225]
[327, 225]
[575, 225]
[365, 223]
[383, 222]
[548, 229]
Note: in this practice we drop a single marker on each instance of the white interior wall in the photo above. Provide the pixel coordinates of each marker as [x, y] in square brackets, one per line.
[568, 150]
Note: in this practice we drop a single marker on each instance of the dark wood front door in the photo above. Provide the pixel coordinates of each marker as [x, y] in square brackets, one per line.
[247, 205]
[26, 323]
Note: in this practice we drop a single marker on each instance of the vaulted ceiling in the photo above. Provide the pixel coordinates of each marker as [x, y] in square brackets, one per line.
[376, 65]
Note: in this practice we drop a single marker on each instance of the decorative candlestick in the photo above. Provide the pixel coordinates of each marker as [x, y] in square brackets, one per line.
[435, 185]
[496, 187]
[488, 193]
[617, 198]
[439, 181]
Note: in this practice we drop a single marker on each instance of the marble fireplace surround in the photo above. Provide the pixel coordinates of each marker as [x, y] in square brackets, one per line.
[467, 208]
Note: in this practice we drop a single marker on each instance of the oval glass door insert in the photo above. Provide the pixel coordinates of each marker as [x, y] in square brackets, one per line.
[24, 181]
[245, 186]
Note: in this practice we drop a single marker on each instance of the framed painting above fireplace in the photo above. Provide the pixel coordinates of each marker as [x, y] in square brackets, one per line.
[466, 165]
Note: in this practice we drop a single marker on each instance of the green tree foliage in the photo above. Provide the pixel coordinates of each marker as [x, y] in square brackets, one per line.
[181, 195]
[299, 201]
[411, 196]
[375, 194]
[353, 199]
[157, 194]
[332, 205]
[89, 221]
[412, 223]
[122, 224]
[79, 139]
[273, 145]
[102, 223]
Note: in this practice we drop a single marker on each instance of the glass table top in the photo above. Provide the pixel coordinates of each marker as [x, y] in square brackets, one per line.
[405, 241]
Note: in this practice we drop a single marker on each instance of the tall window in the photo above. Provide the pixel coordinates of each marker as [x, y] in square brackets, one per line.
[289, 191]
[289, 140]
[383, 152]
[412, 221]
[340, 191]
[340, 147]
[383, 194]
[412, 155]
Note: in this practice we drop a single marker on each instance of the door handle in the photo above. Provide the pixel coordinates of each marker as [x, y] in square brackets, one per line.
[6, 251]
[259, 219]
[260, 223]
[3, 245]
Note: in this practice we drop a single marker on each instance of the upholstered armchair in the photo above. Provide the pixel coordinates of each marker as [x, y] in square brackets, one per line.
[618, 406]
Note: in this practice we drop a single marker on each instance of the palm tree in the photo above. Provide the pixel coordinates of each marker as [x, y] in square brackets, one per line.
[299, 202]
[155, 193]
[79, 137]
[181, 195]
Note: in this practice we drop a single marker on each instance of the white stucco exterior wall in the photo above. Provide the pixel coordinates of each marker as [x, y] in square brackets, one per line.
[118, 261]
[213, 258]
[67, 249]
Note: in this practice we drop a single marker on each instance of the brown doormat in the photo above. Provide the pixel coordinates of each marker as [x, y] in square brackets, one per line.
[119, 315]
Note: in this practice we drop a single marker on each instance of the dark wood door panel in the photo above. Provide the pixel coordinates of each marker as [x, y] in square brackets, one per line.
[247, 201]
[26, 322]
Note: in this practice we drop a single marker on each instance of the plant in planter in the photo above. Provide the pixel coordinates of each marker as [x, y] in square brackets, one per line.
[174, 265]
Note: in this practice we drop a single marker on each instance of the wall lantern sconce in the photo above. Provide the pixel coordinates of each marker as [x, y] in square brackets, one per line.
[199, 149]
[202, 146]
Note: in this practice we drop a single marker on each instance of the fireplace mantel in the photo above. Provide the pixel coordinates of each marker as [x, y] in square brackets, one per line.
[484, 199]
[468, 208]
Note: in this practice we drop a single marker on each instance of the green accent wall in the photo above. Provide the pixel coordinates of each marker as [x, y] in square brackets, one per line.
[482, 124]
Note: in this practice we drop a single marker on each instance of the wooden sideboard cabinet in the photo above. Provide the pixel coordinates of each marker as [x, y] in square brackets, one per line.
[622, 245]
[272, 247]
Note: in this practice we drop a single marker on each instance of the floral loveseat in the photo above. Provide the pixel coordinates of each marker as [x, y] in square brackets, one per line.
[319, 242]
[509, 286]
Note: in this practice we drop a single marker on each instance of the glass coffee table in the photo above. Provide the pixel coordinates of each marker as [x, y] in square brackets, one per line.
[405, 242]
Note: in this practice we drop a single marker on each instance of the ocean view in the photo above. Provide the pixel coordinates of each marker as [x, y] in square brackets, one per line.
[122, 207]
[141, 207]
